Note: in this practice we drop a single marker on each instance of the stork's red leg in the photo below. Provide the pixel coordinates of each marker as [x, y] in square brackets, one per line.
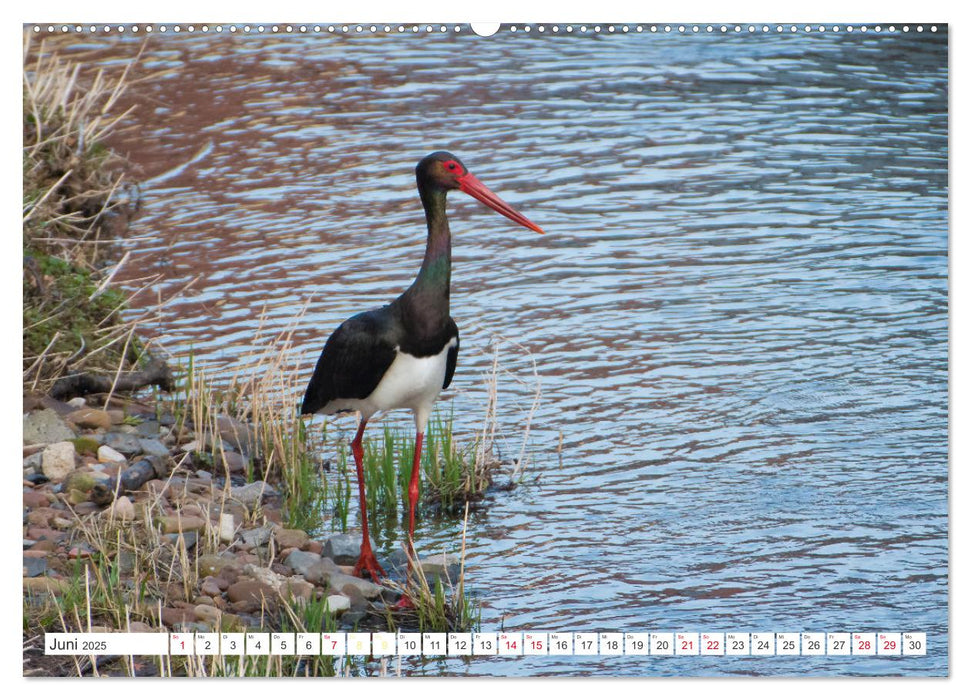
[405, 602]
[367, 561]
[413, 491]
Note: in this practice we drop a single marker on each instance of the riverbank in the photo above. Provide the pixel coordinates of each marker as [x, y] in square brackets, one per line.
[124, 530]
[173, 508]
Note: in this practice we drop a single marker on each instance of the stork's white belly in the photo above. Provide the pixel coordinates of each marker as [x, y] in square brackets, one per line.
[410, 382]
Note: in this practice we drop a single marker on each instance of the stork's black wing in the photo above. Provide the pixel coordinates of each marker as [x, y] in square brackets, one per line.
[354, 359]
[453, 354]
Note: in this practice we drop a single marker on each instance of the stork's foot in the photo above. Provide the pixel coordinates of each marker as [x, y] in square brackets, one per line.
[368, 563]
[404, 603]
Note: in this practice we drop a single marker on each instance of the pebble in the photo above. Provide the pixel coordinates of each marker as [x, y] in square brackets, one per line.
[256, 537]
[250, 591]
[32, 463]
[41, 517]
[153, 447]
[286, 538]
[302, 562]
[321, 571]
[212, 564]
[90, 418]
[81, 551]
[189, 538]
[343, 548]
[77, 402]
[237, 434]
[34, 566]
[207, 613]
[366, 588]
[58, 460]
[36, 499]
[188, 523]
[45, 426]
[122, 509]
[299, 589]
[252, 494]
[338, 603]
[107, 453]
[175, 616]
[210, 586]
[263, 575]
[233, 462]
[125, 443]
[227, 528]
[148, 429]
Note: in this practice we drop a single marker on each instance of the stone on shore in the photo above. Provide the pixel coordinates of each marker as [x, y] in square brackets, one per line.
[186, 523]
[257, 536]
[343, 549]
[153, 447]
[44, 427]
[110, 454]
[302, 562]
[125, 443]
[338, 582]
[338, 603]
[227, 528]
[58, 460]
[286, 538]
[250, 495]
[251, 591]
[122, 509]
[90, 418]
[444, 566]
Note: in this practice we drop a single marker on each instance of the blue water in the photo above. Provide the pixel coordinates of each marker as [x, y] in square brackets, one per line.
[738, 314]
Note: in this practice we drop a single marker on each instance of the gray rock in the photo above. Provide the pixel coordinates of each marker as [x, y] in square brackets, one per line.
[232, 462]
[321, 571]
[301, 562]
[257, 536]
[34, 462]
[148, 429]
[339, 581]
[252, 494]
[125, 562]
[37, 566]
[153, 447]
[237, 434]
[129, 445]
[45, 427]
[57, 460]
[444, 566]
[190, 537]
[343, 549]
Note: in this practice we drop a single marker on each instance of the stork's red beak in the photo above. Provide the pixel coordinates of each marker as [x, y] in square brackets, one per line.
[471, 185]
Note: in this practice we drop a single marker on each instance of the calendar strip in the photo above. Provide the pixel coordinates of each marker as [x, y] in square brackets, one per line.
[508, 644]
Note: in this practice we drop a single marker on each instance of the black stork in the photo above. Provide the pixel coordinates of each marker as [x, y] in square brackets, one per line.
[403, 354]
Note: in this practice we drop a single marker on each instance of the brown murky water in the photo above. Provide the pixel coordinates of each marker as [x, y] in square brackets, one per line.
[738, 315]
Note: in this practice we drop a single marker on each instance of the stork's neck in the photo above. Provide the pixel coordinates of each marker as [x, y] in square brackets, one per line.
[429, 293]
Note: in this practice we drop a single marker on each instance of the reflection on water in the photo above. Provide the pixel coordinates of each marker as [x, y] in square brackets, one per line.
[739, 312]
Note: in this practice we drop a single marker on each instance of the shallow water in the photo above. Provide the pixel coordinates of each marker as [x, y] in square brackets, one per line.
[738, 313]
